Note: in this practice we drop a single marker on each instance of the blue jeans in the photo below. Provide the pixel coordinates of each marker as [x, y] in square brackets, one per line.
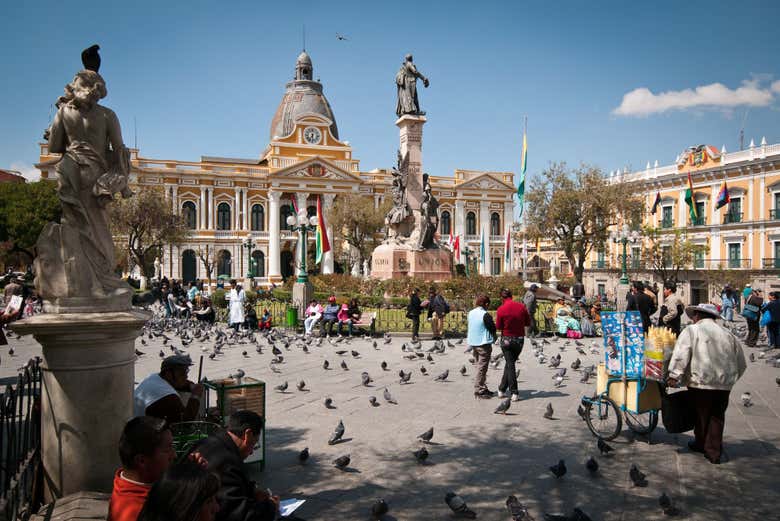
[728, 313]
[348, 322]
[773, 334]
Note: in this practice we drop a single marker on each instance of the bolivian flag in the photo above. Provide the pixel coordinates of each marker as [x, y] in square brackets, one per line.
[689, 199]
[323, 246]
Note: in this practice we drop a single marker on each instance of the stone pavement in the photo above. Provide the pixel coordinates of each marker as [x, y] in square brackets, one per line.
[480, 455]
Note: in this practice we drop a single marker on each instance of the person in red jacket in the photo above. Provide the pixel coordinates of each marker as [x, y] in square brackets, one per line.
[146, 452]
[511, 319]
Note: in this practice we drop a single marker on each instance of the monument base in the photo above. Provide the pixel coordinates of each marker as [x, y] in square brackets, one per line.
[392, 262]
[302, 293]
[87, 394]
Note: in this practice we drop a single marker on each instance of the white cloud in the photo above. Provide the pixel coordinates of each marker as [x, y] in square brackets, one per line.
[28, 171]
[642, 101]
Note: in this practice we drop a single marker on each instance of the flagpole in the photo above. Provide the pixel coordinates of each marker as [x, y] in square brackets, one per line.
[522, 218]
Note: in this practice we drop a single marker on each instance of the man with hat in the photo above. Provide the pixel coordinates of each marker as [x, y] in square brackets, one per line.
[158, 395]
[709, 360]
[529, 299]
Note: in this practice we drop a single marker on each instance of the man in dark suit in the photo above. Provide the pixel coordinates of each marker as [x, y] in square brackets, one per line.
[225, 452]
[639, 301]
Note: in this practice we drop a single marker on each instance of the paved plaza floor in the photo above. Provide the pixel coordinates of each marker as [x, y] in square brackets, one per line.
[480, 455]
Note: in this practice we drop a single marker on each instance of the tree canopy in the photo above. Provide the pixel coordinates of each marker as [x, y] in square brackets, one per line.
[142, 224]
[667, 253]
[358, 224]
[25, 208]
[575, 208]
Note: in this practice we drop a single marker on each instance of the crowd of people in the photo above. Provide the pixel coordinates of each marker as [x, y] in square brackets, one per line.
[332, 314]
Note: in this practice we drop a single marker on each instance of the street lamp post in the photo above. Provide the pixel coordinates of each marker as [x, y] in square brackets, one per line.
[302, 224]
[468, 252]
[249, 245]
[624, 236]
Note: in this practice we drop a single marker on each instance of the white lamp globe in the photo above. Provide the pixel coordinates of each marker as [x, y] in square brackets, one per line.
[291, 220]
[313, 221]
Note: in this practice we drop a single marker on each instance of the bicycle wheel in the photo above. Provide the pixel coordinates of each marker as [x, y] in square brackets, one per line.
[603, 418]
[643, 423]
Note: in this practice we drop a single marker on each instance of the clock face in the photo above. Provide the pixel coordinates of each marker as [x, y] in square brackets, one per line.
[312, 135]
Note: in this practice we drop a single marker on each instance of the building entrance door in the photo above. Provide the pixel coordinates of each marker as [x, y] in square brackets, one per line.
[188, 266]
[698, 292]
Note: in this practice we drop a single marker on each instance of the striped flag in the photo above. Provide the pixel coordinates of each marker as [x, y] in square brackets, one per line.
[323, 246]
[523, 166]
[656, 202]
[723, 197]
[456, 248]
[482, 258]
[508, 249]
[689, 199]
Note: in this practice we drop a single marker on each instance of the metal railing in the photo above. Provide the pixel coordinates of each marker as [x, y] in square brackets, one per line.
[771, 263]
[20, 444]
[600, 264]
[774, 214]
[733, 264]
[732, 217]
[667, 223]
[699, 221]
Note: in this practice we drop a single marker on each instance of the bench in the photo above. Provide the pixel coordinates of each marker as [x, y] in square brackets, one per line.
[367, 320]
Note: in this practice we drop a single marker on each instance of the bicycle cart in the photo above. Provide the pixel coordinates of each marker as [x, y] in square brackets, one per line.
[626, 386]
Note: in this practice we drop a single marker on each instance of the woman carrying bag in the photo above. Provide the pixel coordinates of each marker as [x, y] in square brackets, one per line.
[752, 311]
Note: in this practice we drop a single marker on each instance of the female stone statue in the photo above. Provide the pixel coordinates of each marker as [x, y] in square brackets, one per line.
[429, 212]
[406, 82]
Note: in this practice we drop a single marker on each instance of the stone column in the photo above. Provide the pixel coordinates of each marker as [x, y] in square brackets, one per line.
[237, 210]
[682, 210]
[247, 209]
[274, 272]
[411, 131]
[211, 208]
[484, 226]
[202, 210]
[86, 396]
[175, 199]
[459, 221]
[327, 259]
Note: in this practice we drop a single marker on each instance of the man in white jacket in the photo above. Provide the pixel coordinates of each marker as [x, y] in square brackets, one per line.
[709, 360]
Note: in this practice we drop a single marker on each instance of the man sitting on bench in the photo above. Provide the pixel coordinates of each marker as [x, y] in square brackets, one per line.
[329, 316]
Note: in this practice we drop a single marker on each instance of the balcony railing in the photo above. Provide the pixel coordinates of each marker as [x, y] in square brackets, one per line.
[667, 223]
[699, 221]
[771, 263]
[599, 264]
[774, 214]
[732, 264]
[732, 217]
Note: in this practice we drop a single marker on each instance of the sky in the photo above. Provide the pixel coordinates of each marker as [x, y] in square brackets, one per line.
[611, 84]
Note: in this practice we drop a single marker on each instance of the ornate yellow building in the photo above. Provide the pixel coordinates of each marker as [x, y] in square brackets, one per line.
[226, 201]
[743, 236]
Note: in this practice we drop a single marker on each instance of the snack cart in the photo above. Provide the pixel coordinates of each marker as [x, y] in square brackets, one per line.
[627, 381]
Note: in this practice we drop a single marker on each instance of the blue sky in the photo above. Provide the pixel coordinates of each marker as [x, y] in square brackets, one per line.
[205, 77]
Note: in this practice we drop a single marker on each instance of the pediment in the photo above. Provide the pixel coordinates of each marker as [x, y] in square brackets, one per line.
[485, 182]
[315, 168]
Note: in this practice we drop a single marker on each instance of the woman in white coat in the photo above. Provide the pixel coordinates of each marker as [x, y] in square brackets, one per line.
[237, 298]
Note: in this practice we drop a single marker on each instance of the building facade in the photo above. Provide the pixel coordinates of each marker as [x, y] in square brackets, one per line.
[741, 240]
[228, 202]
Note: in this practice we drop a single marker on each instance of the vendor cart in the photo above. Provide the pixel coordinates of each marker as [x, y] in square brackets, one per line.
[626, 385]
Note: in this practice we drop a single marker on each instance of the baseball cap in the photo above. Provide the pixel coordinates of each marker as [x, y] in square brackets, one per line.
[533, 287]
[176, 361]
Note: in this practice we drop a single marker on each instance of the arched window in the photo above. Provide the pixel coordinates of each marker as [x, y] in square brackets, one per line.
[495, 224]
[223, 263]
[311, 211]
[471, 223]
[258, 218]
[189, 214]
[445, 223]
[284, 212]
[258, 263]
[223, 216]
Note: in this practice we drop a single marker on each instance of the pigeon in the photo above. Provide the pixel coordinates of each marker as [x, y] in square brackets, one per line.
[372, 401]
[405, 377]
[747, 400]
[426, 436]
[344, 365]
[423, 370]
[302, 386]
[365, 379]
[517, 511]
[341, 352]
[355, 354]
[667, 506]
[581, 412]
[379, 508]
[548, 413]
[329, 403]
[637, 477]
[373, 344]
[576, 364]
[139, 353]
[338, 433]
[777, 380]
[421, 454]
[162, 353]
[443, 377]
[212, 356]
[752, 357]
[239, 374]
[303, 455]
[603, 447]
[341, 462]
[559, 469]
[90, 58]
[383, 365]
[463, 370]
[592, 465]
[389, 397]
[558, 380]
[282, 388]
[459, 506]
[577, 515]
[325, 365]
[245, 354]
[503, 406]
[275, 350]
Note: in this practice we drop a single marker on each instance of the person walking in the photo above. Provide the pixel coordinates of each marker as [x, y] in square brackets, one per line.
[437, 310]
[752, 313]
[746, 291]
[773, 326]
[639, 301]
[413, 311]
[672, 308]
[481, 335]
[709, 360]
[728, 302]
[512, 319]
[529, 299]
[237, 300]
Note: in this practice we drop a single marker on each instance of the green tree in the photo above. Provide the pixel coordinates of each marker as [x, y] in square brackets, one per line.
[358, 224]
[143, 224]
[25, 208]
[575, 208]
[667, 252]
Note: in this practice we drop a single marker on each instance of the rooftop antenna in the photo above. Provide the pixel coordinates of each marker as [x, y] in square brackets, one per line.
[135, 135]
[304, 37]
[742, 130]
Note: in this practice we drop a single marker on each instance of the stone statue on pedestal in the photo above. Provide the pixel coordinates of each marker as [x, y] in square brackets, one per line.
[399, 219]
[406, 82]
[157, 268]
[429, 213]
[75, 265]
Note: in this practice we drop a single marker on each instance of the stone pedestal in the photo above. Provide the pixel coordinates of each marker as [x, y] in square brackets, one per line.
[302, 293]
[411, 131]
[389, 262]
[88, 378]
[621, 290]
[553, 281]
